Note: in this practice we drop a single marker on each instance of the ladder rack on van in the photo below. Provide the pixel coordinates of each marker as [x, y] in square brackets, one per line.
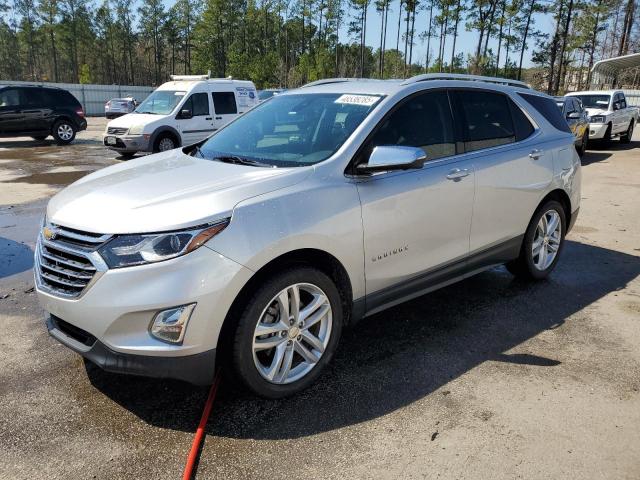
[459, 76]
[192, 78]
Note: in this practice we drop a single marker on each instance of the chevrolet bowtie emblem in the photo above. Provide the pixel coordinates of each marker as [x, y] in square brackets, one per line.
[49, 233]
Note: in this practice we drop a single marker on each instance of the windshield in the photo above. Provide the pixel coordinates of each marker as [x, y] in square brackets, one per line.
[161, 102]
[594, 101]
[291, 130]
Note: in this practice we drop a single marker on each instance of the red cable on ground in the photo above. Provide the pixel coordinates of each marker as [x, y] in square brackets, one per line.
[197, 439]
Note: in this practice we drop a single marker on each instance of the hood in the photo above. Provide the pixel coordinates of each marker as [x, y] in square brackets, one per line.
[167, 191]
[595, 111]
[131, 119]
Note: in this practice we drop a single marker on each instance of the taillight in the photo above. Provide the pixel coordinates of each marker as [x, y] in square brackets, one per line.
[80, 112]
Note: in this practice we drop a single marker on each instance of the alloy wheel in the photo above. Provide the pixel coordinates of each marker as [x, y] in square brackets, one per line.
[546, 240]
[292, 333]
[65, 131]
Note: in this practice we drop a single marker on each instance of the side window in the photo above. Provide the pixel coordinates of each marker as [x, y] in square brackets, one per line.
[547, 108]
[487, 119]
[198, 103]
[522, 125]
[623, 101]
[10, 97]
[423, 121]
[224, 103]
[33, 97]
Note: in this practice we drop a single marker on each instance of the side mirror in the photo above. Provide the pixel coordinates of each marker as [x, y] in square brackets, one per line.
[573, 115]
[185, 114]
[386, 158]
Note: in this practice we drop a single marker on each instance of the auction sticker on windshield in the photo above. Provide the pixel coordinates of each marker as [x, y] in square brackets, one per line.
[365, 100]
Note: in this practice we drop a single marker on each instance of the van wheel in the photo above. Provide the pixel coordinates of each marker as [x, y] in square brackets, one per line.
[287, 333]
[164, 143]
[542, 244]
[626, 136]
[64, 132]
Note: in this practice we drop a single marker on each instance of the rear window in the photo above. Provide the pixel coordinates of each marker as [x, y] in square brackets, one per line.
[59, 98]
[548, 109]
[488, 121]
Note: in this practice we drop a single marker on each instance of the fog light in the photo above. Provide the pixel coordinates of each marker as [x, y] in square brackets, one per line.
[170, 325]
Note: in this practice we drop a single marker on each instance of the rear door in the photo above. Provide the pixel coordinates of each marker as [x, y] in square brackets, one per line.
[34, 110]
[11, 116]
[224, 106]
[512, 170]
[200, 125]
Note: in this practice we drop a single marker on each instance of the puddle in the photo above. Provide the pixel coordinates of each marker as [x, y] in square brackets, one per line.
[52, 178]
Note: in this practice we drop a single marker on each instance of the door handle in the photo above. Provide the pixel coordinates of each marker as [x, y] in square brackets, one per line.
[218, 118]
[535, 154]
[208, 118]
[457, 174]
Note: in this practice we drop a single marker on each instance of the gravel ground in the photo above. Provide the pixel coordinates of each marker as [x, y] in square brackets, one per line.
[488, 378]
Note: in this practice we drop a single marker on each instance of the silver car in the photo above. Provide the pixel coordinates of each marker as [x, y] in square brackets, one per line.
[254, 248]
[116, 107]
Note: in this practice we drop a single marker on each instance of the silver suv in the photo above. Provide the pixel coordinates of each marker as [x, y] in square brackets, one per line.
[255, 247]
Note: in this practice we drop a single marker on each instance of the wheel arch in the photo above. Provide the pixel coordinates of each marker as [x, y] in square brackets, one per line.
[563, 198]
[311, 257]
[165, 130]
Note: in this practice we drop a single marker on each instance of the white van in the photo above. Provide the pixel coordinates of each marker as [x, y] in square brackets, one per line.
[180, 112]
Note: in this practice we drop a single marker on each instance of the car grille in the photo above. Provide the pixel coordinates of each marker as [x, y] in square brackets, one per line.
[67, 263]
[117, 130]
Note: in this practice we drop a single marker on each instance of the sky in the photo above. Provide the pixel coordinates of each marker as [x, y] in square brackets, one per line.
[466, 41]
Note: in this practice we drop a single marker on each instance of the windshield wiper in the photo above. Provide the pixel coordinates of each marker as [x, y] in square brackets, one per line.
[241, 161]
[152, 113]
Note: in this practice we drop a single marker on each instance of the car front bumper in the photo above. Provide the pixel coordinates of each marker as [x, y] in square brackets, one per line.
[597, 130]
[128, 143]
[109, 322]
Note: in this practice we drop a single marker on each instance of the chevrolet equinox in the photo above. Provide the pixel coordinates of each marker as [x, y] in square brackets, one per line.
[255, 247]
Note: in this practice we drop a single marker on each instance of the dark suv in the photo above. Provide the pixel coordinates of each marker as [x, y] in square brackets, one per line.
[39, 112]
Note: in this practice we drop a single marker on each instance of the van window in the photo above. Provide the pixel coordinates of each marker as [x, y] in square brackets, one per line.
[423, 121]
[198, 103]
[33, 97]
[10, 97]
[547, 108]
[224, 103]
[487, 119]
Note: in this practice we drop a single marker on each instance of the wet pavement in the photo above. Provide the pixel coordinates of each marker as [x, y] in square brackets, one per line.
[488, 378]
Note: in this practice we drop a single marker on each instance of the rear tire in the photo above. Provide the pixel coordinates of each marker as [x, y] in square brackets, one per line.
[626, 137]
[64, 132]
[282, 369]
[583, 144]
[542, 243]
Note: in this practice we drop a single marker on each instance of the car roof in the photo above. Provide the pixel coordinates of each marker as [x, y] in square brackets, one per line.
[594, 92]
[393, 86]
[189, 84]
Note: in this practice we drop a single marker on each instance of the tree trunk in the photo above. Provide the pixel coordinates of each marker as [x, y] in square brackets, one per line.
[563, 47]
[504, 6]
[526, 34]
[455, 36]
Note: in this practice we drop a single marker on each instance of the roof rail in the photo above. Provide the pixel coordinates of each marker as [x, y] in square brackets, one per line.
[176, 78]
[326, 81]
[460, 76]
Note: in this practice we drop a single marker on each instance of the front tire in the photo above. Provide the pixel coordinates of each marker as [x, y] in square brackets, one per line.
[606, 139]
[542, 243]
[626, 137]
[64, 132]
[287, 333]
[164, 143]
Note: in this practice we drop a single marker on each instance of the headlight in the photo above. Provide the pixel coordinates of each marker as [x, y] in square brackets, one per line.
[129, 250]
[596, 119]
[136, 130]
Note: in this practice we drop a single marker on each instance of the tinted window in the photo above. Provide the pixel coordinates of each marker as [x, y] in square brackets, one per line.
[521, 123]
[487, 119]
[59, 98]
[9, 97]
[423, 121]
[224, 102]
[198, 103]
[547, 108]
[33, 97]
